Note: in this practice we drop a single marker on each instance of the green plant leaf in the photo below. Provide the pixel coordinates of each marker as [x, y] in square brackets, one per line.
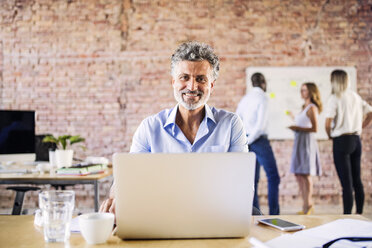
[63, 140]
[76, 139]
[50, 139]
[64, 137]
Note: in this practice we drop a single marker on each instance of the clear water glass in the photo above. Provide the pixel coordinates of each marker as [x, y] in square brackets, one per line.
[57, 207]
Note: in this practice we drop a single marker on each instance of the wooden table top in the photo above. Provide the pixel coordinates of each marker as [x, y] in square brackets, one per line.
[47, 176]
[19, 231]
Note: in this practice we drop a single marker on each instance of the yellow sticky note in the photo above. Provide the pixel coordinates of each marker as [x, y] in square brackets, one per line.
[272, 95]
[287, 112]
[293, 83]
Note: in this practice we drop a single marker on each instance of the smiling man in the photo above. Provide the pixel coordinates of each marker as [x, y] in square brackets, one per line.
[192, 125]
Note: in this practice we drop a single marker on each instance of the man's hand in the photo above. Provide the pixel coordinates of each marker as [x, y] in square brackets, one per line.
[108, 206]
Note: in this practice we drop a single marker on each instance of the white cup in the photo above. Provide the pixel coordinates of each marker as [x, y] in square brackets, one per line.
[96, 227]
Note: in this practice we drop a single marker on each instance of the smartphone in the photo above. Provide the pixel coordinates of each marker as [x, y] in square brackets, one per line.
[281, 224]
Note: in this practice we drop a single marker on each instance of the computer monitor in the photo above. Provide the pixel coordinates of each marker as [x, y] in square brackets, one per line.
[17, 135]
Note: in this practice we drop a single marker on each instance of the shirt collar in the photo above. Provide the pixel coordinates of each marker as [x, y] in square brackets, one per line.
[171, 117]
[209, 113]
[258, 89]
[173, 113]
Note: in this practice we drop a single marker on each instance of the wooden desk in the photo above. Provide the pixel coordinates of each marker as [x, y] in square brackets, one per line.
[19, 231]
[57, 180]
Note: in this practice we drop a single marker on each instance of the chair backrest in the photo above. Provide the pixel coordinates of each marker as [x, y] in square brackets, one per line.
[42, 149]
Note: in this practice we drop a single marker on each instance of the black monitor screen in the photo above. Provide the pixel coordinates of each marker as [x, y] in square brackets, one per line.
[17, 132]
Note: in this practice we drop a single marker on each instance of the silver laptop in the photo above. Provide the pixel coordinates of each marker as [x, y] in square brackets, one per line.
[189, 195]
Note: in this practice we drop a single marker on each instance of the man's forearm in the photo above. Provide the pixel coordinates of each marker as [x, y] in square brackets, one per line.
[306, 129]
[328, 126]
[367, 120]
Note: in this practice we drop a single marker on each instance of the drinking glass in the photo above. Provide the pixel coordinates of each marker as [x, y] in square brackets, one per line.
[57, 207]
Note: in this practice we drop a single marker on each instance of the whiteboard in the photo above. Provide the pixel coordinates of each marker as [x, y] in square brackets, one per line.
[283, 91]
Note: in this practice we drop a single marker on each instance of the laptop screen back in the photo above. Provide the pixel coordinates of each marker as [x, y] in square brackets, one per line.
[193, 195]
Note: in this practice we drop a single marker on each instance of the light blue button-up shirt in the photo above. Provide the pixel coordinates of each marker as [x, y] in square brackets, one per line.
[220, 131]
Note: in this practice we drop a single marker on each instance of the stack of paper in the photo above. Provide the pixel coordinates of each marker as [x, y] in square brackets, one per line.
[82, 170]
[318, 236]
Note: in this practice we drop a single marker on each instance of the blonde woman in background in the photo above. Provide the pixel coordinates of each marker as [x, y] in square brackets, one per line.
[305, 156]
[344, 114]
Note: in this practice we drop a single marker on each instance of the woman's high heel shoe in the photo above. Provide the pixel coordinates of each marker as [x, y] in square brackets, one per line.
[310, 210]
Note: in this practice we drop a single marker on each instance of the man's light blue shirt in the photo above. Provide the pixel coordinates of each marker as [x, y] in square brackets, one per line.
[220, 131]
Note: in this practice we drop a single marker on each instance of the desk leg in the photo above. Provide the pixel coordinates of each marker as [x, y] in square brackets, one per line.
[96, 195]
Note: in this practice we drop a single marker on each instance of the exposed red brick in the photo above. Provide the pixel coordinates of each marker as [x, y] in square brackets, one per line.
[97, 68]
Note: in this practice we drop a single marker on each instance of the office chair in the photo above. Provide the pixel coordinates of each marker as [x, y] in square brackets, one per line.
[20, 194]
[42, 149]
[42, 154]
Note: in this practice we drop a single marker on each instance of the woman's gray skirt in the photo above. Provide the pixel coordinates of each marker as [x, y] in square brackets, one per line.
[305, 155]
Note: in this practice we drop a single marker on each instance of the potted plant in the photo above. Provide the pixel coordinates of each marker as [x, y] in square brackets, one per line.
[63, 156]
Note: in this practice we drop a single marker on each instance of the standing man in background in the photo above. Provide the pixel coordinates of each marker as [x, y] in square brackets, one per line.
[253, 111]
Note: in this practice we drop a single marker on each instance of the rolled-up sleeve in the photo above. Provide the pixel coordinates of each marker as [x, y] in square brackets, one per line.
[366, 108]
[140, 143]
[331, 107]
[238, 137]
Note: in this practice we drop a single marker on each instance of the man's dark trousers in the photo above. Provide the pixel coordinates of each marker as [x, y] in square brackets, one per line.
[265, 157]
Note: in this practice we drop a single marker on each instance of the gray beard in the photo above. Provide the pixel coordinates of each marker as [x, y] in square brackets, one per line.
[190, 106]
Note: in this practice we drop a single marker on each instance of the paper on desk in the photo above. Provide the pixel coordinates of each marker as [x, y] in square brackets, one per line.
[341, 228]
[317, 236]
[74, 226]
[294, 240]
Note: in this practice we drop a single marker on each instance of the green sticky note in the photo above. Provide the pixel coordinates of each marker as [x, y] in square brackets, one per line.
[272, 95]
[293, 83]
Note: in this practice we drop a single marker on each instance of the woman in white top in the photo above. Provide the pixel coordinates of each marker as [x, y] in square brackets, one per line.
[305, 156]
[344, 122]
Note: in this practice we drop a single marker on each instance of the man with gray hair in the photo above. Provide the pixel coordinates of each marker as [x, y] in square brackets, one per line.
[190, 126]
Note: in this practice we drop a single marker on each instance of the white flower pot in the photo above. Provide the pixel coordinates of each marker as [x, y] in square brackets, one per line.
[64, 158]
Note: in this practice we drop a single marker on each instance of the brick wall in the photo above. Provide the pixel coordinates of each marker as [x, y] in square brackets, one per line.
[97, 68]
